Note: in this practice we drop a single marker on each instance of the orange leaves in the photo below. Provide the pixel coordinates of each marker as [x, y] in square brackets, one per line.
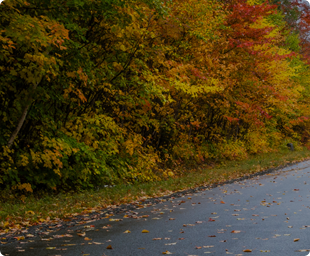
[131, 94]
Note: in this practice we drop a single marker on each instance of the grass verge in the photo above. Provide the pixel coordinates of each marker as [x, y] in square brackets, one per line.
[15, 213]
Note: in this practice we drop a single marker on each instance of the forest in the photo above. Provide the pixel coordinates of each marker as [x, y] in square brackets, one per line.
[105, 92]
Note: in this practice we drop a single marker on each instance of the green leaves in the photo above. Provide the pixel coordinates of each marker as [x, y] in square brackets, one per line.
[117, 92]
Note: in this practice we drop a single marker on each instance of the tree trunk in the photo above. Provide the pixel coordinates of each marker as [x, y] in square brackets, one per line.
[24, 114]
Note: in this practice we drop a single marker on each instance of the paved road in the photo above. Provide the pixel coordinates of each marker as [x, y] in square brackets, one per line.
[266, 214]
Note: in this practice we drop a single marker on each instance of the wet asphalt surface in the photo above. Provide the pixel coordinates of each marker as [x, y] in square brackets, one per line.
[265, 214]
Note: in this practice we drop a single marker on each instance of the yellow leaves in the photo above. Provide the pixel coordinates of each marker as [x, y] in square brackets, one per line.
[167, 252]
[71, 74]
[145, 231]
[115, 220]
[25, 186]
[133, 143]
[117, 67]
[122, 47]
[170, 174]
[24, 161]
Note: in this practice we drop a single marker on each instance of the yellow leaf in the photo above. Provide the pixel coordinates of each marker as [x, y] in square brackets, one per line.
[167, 252]
[123, 48]
[115, 219]
[145, 231]
[127, 231]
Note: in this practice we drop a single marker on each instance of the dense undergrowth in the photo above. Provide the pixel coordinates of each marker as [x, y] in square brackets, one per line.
[18, 212]
[111, 92]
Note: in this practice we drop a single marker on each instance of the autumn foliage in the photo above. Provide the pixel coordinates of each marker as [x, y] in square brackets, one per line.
[96, 92]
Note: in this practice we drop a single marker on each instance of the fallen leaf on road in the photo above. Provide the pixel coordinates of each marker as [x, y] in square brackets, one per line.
[167, 252]
[247, 250]
[145, 231]
[296, 239]
[127, 231]
[236, 231]
[109, 247]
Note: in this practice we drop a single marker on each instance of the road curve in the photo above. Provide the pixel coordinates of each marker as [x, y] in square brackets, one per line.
[266, 214]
